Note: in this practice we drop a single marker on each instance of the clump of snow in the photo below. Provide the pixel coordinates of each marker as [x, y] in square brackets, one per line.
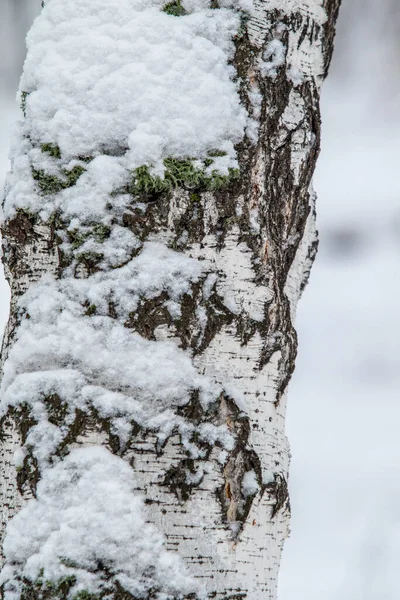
[274, 57]
[87, 522]
[222, 457]
[252, 130]
[250, 485]
[295, 75]
[115, 250]
[194, 478]
[155, 270]
[97, 184]
[19, 456]
[126, 85]
[255, 97]
[127, 77]
[209, 284]
[96, 362]
[237, 396]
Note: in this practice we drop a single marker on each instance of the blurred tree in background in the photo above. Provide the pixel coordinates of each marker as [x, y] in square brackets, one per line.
[16, 18]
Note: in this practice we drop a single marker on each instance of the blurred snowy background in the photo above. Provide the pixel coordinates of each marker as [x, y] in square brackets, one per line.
[344, 414]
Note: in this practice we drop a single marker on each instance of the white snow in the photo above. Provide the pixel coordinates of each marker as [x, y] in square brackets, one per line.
[127, 85]
[127, 77]
[274, 57]
[295, 75]
[87, 521]
[250, 485]
[95, 361]
[256, 101]
[155, 270]
[209, 284]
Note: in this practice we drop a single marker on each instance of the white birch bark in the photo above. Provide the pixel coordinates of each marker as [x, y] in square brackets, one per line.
[221, 504]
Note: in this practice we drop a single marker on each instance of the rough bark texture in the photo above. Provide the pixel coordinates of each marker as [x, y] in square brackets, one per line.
[259, 233]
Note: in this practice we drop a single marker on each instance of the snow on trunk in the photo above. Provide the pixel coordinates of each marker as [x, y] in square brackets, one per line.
[158, 230]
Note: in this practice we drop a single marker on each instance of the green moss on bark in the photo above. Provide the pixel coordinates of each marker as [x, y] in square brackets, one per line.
[175, 9]
[181, 173]
[24, 96]
[54, 151]
[51, 184]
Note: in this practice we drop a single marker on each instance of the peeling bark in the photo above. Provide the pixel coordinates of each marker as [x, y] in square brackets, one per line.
[258, 237]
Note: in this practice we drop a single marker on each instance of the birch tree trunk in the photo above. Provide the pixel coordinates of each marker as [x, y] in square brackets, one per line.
[151, 336]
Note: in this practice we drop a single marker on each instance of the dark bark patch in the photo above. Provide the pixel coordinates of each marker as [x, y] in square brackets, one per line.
[279, 490]
[150, 314]
[182, 478]
[235, 502]
[21, 227]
